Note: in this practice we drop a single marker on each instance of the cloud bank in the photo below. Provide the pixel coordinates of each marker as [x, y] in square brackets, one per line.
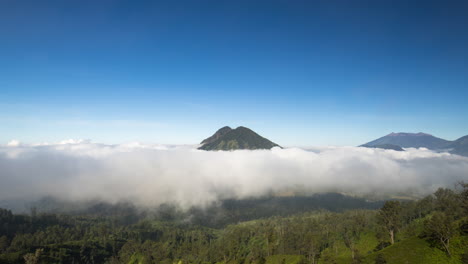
[150, 175]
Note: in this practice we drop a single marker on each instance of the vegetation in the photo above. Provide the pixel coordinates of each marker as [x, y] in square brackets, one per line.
[218, 134]
[390, 218]
[431, 230]
[239, 138]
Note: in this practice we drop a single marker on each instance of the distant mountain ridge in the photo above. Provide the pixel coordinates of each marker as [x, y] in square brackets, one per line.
[227, 138]
[421, 140]
[460, 146]
[410, 140]
[387, 146]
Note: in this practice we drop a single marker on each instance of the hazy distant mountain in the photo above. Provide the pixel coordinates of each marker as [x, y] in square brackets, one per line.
[239, 138]
[386, 146]
[459, 146]
[410, 140]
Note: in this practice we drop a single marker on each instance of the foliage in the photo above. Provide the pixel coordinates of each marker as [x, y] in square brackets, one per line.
[440, 228]
[239, 138]
[428, 232]
[390, 218]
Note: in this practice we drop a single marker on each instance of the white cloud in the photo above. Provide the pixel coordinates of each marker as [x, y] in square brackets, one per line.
[13, 143]
[153, 174]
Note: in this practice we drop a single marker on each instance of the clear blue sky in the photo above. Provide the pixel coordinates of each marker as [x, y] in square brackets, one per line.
[298, 72]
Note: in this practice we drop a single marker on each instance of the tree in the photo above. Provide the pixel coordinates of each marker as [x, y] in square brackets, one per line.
[464, 197]
[441, 228]
[425, 206]
[261, 260]
[390, 218]
[31, 258]
[353, 225]
[380, 259]
[4, 243]
[448, 202]
[464, 257]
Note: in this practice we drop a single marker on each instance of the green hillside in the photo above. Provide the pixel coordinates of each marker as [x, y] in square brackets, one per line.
[239, 138]
[431, 230]
[419, 251]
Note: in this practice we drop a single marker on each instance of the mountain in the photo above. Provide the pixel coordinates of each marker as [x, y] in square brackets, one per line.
[459, 146]
[220, 133]
[239, 138]
[418, 140]
[410, 140]
[386, 146]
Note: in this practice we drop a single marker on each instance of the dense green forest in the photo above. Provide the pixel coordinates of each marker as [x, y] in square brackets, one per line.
[430, 230]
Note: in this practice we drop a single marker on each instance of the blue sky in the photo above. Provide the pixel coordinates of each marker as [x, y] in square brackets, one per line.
[298, 72]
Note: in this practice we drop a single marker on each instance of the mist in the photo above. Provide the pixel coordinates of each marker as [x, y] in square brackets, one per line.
[149, 175]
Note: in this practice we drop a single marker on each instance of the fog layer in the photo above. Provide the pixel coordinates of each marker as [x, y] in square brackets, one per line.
[149, 175]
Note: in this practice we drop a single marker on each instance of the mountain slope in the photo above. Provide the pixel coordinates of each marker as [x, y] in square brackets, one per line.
[218, 134]
[410, 140]
[386, 146]
[239, 138]
[459, 146]
[421, 252]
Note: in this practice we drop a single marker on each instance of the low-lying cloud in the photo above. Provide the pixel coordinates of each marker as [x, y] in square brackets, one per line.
[150, 175]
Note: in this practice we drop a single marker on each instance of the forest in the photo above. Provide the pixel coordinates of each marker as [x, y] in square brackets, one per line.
[433, 229]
